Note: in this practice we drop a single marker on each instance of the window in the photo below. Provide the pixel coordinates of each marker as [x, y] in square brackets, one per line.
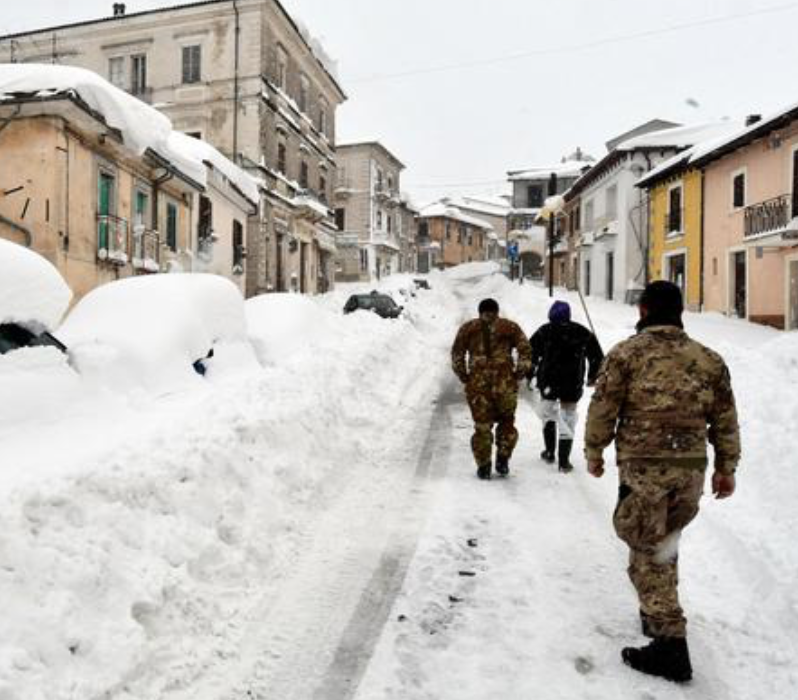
[116, 72]
[194, 134]
[340, 219]
[611, 206]
[448, 231]
[281, 158]
[379, 221]
[323, 189]
[390, 223]
[238, 245]
[106, 208]
[738, 190]
[589, 215]
[323, 116]
[534, 196]
[304, 94]
[379, 180]
[674, 220]
[192, 59]
[303, 175]
[282, 68]
[364, 260]
[171, 226]
[138, 74]
[423, 229]
[141, 208]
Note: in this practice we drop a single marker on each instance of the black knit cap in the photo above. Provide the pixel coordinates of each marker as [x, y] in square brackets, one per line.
[663, 299]
[488, 306]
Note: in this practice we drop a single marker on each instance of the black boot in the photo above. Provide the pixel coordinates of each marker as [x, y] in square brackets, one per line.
[502, 465]
[645, 626]
[483, 472]
[550, 440]
[666, 657]
[564, 456]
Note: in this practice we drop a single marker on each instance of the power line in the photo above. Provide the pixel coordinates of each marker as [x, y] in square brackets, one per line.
[620, 38]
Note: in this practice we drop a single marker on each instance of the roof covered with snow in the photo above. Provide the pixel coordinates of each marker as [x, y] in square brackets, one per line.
[445, 211]
[567, 168]
[32, 292]
[492, 206]
[143, 128]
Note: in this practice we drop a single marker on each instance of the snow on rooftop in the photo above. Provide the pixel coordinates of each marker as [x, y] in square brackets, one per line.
[568, 168]
[196, 150]
[441, 209]
[494, 206]
[142, 126]
[721, 135]
[33, 293]
[677, 137]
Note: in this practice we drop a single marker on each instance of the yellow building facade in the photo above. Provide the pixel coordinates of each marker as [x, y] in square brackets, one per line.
[675, 230]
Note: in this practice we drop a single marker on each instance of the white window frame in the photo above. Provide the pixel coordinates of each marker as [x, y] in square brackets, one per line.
[121, 61]
[190, 48]
[669, 233]
[145, 86]
[734, 175]
[666, 259]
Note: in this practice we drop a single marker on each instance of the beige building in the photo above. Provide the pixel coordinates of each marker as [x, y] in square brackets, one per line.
[242, 75]
[73, 191]
[367, 210]
[452, 236]
[407, 221]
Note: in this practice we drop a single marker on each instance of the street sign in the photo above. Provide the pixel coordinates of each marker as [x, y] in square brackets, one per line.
[512, 251]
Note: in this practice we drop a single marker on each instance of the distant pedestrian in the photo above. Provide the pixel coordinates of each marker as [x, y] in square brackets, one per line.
[661, 396]
[562, 352]
[484, 361]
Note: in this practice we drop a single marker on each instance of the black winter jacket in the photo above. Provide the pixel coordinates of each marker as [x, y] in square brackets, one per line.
[560, 354]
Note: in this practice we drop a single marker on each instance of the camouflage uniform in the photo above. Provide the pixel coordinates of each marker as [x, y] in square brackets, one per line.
[661, 396]
[482, 358]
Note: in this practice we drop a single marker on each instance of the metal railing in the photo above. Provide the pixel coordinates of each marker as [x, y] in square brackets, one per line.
[146, 249]
[113, 239]
[768, 216]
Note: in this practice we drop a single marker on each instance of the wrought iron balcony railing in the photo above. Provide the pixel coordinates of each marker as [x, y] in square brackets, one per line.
[768, 216]
[113, 239]
[146, 249]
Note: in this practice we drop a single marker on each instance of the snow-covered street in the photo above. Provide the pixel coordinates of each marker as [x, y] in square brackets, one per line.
[305, 523]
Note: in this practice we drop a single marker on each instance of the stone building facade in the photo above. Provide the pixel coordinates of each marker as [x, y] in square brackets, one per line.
[453, 237]
[368, 212]
[246, 78]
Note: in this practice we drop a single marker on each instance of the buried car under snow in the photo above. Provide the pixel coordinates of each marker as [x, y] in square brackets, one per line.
[158, 331]
[33, 298]
[380, 304]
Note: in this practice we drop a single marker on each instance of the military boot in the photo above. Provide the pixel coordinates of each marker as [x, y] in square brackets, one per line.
[502, 465]
[483, 472]
[564, 456]
[550, 441]
[666, 657]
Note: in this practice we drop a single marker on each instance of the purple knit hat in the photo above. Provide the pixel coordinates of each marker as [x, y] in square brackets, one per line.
[560, 312]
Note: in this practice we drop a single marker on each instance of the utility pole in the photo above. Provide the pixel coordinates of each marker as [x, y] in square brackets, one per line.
[552, 230]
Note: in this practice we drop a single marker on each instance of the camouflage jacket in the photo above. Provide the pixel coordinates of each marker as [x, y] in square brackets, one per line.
[662, 395]
[482, 354]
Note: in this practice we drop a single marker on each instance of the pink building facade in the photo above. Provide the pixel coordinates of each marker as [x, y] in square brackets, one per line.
[750, 225]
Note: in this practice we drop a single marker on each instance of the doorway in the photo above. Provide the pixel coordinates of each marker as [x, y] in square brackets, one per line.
[676, 271]
[587, 277]
[610, 286]
[792, 295]
[739, 290]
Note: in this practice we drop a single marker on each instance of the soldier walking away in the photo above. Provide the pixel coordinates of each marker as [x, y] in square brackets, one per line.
[562, 351]
[482, 359]
[661, 396]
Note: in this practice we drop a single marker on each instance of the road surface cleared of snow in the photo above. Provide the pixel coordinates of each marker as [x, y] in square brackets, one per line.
[314, 530]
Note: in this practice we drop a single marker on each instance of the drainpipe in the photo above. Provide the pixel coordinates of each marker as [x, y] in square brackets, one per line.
[701, 252]
[236, 80]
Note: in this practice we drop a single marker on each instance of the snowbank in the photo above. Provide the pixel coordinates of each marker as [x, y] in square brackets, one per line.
[32, 291]
[148, 331]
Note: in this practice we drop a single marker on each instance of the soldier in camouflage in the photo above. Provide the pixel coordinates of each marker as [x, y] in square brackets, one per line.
[482, 358]
[661, 396]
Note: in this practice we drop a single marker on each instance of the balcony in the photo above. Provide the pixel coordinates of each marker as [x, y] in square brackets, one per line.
[386, 240]
[587, 240]
[768, 217]
[309, 207]
[113, 239]
[146, 249]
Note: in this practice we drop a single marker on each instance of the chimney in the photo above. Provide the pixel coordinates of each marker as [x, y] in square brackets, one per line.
[119, 9]
[753, 119]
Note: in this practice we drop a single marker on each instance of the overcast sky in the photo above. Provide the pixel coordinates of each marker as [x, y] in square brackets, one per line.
[585, 70]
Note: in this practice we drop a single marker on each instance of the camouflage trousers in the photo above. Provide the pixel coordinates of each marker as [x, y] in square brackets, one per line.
[656, 501]
[489, 408]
